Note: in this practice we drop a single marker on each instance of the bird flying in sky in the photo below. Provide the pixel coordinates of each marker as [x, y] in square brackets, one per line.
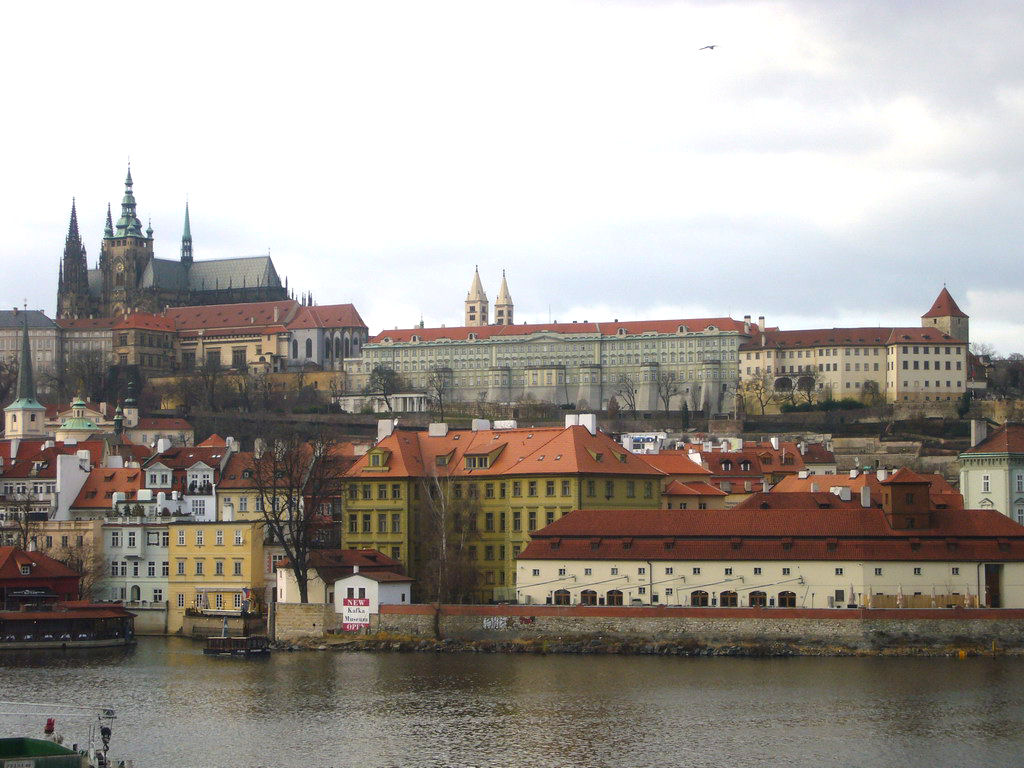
[708, 47]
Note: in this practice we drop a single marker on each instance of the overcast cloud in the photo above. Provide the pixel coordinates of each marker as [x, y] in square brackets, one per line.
[829, 163]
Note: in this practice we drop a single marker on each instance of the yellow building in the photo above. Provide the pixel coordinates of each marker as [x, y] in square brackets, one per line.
[499, 485]
[215, 568]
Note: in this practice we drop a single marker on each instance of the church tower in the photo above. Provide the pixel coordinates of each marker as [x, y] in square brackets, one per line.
[503, 304]
[186, 240]
[947, 317]
[25, 416]
[124, 255]
[73, 284]
[476, 302]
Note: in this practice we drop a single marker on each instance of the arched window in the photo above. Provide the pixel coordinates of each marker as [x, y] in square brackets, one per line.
[337, 346]
[728, 599]
[348, 347]
[588, 597]
[758, 599]
[614, 597]
[136, 594]
[295, 348]
[787, 599]
[699, 598]
[309, 348]
[561, 597]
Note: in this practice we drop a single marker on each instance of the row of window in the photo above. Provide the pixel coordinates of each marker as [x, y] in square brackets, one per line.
[202, 600]
[218, 568]
[200, 537]
[120, 568]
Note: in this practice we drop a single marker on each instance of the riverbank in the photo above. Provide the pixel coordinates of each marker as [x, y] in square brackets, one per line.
[582, 646]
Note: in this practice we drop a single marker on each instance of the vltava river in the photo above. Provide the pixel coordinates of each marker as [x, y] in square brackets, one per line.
[302, 710]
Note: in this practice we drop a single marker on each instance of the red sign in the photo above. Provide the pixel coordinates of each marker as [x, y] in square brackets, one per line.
[355, 614]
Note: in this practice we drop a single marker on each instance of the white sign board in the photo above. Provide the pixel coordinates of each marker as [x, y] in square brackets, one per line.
[355, 614]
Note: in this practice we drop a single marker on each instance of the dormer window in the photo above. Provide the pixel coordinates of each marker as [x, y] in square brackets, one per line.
[745, 466]
[375, 460]
[621, 332]
[477, 462]
[726, 466]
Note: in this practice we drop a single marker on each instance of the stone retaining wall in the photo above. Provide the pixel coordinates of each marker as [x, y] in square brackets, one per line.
[854, 629]
[294, 621]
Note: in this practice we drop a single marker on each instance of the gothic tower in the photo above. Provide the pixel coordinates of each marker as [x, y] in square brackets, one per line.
[947, 317]
[124, 255]
[503, 304]
[476, 302]
[73, 284]
[25, 416]
[186, 240]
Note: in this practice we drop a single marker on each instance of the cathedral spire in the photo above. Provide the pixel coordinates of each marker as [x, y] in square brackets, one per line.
[503, 304]
[24, 416]
[128, 225]
[476, 302]
[25, 389]
[186, 239]
[108, 230]
[73, 284]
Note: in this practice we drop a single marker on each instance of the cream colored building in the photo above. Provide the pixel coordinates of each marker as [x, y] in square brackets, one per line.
[815, 551]
[992, 473]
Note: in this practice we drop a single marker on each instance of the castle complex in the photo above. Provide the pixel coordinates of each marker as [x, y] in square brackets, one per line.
[129, 278]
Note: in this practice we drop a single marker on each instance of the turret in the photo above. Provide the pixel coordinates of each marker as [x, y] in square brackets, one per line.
[25, 416]
[476, 302]
[73, 284]
[186, 240]
[947, 317]
[503, 304]
[128, 225]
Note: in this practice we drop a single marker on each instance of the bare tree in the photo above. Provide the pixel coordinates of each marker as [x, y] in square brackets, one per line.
[667, 388]
[625, 390]
[873, 397]
[295, 480]
[439, 389]
[8, 377]
[86, 559]
[447, 522]
[84, 372]
[807, 384]
[385, 381]
[27, 512]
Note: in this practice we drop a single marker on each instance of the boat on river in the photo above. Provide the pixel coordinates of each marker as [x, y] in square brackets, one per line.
[251, 645]
[66, 625]
[50, 750]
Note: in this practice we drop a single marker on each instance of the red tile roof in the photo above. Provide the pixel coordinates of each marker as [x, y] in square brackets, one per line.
[944, 306]
[43, 566]
[631, 327]
[184, 457]
[674, 463]
[102, 483]
[905, 476]
[541, 451]
[31, 453]
[214, 441]
[145, 321]
[233, 476]
[333, 564]
[86, 323]
[941, 492]
[1007, 439]
[251, 315]
[327, 316]
[677, 488]
[845, 337]
[835, 533]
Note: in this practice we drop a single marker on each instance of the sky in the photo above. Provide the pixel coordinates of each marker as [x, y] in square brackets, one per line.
[826, 164]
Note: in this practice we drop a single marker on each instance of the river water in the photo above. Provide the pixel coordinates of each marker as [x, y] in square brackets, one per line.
[177, 707]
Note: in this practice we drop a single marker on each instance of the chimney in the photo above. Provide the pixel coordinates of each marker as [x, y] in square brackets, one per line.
[258, 446]
[277, 314]
[854, 473]
[882, 474]
[15, 444]
[775, 443]
[163, 445]
[437, 429]
[760, 322]
[979, 431]
[355, 569]
[589, 420]
[865, 496]
[802, 446]
[385, 427]
[479, 425]
[845, 493]
[803, 474]
[814, 488]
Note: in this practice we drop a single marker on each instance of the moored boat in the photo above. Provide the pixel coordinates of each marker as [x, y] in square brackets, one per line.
[252, 645]
[50, 751]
